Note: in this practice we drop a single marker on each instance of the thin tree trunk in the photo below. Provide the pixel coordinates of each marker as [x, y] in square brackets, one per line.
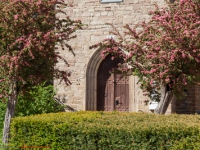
[10, 112]
[166, 98]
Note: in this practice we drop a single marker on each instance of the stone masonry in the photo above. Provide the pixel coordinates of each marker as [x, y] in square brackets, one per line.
[80, 95]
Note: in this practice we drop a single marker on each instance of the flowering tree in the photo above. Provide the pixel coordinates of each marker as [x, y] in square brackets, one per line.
[165, 54]
[30, 32]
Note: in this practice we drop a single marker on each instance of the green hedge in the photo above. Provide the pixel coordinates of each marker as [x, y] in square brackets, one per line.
[106, 131]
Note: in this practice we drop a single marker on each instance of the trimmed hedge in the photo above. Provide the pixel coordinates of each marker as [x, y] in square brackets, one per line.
[106, 131]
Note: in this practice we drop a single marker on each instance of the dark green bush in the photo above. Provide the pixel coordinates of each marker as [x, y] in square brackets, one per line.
[106, 131]
[38, 100]
[2, 116]
[2, 113]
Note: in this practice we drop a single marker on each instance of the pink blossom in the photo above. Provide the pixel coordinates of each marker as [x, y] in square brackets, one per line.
[157, 48]
[184, 81]
[167, 80]
[16, 17]
[2, 80]
[151, 82]
[182, 1]
[102, 55]
[183, 55]
[39, 2]
[152, 71]
[14, 58]
[172, 58]
[130, 54]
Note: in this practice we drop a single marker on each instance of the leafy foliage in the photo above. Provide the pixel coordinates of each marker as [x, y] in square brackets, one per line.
[165, 50]
[106, 130]
[2, 116]
[2, 113]
[38, 100]
[31, 30]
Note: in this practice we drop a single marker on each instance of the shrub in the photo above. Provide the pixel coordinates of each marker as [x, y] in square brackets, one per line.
[2, 116]
[38, 100]
[106, 131]
[2, 113]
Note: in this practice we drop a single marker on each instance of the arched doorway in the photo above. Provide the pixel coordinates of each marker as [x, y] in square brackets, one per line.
[112, 88]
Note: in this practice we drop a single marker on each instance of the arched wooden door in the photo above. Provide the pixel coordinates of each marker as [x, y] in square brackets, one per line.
[112, 88]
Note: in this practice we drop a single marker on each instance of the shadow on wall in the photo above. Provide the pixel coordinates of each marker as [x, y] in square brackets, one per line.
[61, 100]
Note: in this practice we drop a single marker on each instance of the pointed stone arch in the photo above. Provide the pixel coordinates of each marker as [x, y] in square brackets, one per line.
[91, 78]
[91, 84]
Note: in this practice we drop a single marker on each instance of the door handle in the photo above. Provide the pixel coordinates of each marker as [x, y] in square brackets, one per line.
[117, 102]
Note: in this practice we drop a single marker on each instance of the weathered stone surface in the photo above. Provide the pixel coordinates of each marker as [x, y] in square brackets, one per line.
[94, 15]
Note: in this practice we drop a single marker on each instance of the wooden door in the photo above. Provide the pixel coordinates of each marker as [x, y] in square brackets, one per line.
[112, 88]
[121, 92]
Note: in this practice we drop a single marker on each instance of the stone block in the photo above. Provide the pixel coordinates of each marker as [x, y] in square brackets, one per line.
[104, 13]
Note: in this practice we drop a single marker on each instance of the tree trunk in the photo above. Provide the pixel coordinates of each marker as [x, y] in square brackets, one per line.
[166, 98]
[10, 112]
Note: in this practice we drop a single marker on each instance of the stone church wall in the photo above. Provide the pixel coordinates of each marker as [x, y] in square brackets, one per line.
[94, 15]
